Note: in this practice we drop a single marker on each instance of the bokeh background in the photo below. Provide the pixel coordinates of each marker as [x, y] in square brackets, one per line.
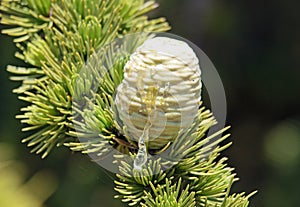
[255, 47]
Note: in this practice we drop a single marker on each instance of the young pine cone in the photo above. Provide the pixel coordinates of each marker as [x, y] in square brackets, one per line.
[160, 93]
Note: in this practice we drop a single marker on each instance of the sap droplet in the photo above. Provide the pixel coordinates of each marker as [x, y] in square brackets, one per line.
[142, 155]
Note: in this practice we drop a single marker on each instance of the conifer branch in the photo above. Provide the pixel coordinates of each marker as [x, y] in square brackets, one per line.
[69, 97]
[55, 38]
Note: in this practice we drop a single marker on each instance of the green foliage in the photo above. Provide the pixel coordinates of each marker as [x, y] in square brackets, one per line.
[169, 196]
[55, 39]
[200, 178]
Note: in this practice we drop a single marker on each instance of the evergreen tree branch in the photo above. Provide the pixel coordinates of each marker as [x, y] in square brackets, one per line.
[55, 38]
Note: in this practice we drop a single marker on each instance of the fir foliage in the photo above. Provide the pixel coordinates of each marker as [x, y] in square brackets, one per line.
[201, 175]
[55, 38]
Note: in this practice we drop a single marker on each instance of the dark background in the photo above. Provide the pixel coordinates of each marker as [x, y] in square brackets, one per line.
[255, 47]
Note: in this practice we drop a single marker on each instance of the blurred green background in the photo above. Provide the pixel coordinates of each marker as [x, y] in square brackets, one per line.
[255, 47]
